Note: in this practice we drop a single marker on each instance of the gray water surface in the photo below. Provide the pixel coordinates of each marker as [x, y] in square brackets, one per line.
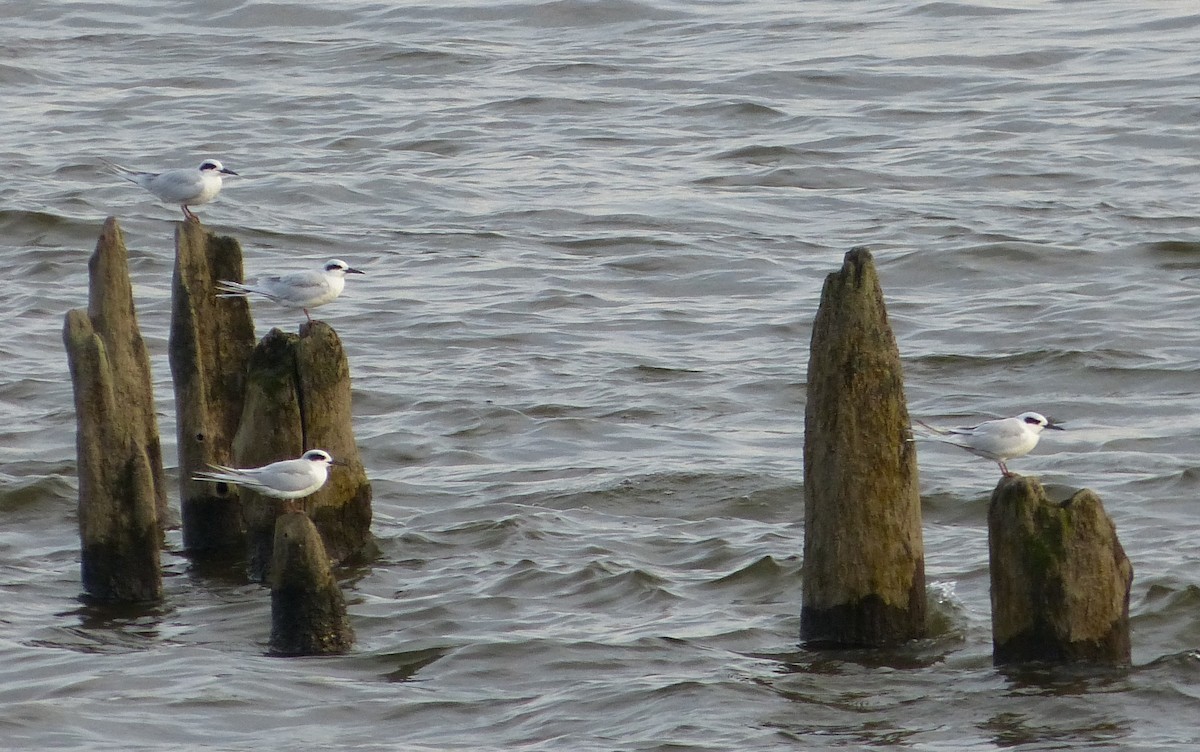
[595, 235]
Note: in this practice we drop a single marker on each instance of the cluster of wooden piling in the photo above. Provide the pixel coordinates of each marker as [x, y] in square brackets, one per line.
[237, 403]
[1059, 579]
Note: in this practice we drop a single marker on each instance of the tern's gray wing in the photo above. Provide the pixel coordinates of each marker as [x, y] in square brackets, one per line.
[288, 476]
[303, 289]
[997, 437]
[175, 186]
[965, 430]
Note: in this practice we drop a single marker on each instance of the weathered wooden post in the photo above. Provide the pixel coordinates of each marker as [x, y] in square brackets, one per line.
[1060, 579]
[298, 398]
[122, 492]
[864, 560]
[342, 508]
[270, 428]
[210, 344]
[308, 612]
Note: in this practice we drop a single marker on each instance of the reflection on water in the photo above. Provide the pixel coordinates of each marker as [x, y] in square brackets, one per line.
[1015, 730]
[100, 627]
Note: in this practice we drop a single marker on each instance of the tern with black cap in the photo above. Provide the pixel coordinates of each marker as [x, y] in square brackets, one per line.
[996, 440]
[298, 290]
[185, 186]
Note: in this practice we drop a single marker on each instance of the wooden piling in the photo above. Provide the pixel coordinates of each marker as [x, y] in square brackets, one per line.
[122, 492]
[341, 509]
[270, 428]
[210, 344]
[308, 612]
[864, 562]
[298, 398]
[1060, 578]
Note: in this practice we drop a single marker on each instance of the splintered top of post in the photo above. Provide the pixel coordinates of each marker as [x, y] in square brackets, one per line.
[110, 227]
[853, 313]
[1017, 486]
[859, 262]
[110, 293]
[857, 272]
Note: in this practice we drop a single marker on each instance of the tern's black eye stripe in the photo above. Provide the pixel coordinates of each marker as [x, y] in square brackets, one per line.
[1033, 421]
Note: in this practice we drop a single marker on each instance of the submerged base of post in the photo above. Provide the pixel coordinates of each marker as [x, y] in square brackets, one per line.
[858, 624]
[1060, 579]
[308, 612]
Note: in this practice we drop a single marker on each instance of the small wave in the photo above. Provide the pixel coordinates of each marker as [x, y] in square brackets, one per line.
[23, 494]
[735, 110]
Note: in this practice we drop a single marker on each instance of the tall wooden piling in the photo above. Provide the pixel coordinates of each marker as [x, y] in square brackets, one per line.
[122, 492]
[210, 344]
[1060, 578]
[298, 398]
[864, 561]
[308, 612]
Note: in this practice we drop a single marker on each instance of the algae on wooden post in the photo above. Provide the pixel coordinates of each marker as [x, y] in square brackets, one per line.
[211, 340]
[121, 486]
[298, 398]
[308, 612]
[864, 561]
[1060, 578]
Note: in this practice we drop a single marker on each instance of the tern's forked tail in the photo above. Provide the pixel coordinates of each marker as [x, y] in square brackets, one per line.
[931, 429]
[229, 289]
[124, 172]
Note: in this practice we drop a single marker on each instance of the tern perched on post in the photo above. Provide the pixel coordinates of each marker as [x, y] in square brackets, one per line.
[286, 479]
[302, 290]
[996, 440]
[186, 187]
